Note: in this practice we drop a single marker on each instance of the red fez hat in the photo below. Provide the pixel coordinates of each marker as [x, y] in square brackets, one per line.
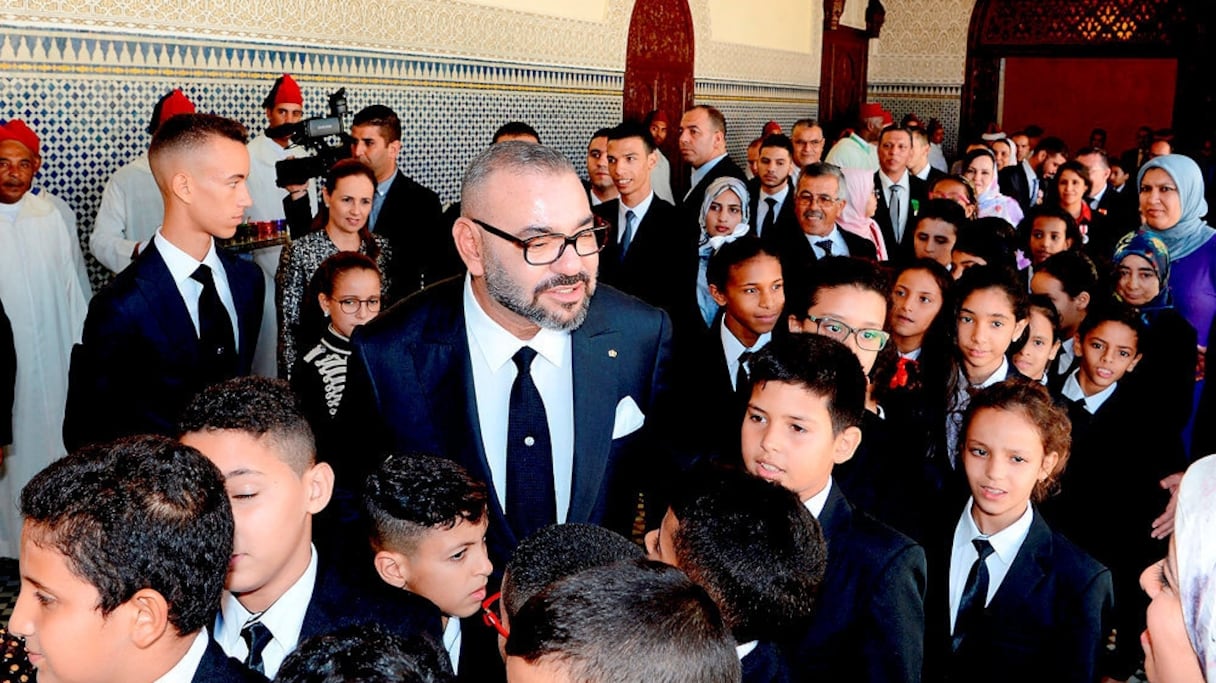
[771, 127]
[284, 91]
[887, 118]
[17, 130]
[169, 106]
[658, 115]
[871, 110]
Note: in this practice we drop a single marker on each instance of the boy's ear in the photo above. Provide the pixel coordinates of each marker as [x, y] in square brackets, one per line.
[319, 483]
[1019, 328]
[149, 614]
[1077, 346]
[1082, 301]
[1135, 361]
[846, 444]
[795, 325]
[718, 295]
[393, 568]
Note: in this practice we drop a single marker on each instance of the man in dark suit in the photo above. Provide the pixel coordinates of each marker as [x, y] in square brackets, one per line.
[280, 590]
[515, 372]
[703, 148]
[820, 197]
[650, 252]
[1122, 216]
[918, 162]
[184, 314]
[900, 193]
[772, 190]
[1030, 181]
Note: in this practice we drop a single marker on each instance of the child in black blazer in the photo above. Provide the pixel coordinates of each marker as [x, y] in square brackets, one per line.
[1009, 599]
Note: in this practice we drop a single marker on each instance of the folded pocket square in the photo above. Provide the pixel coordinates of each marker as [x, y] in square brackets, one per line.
[629, 418]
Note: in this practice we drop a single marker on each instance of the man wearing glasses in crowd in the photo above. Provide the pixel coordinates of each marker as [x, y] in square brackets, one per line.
[513, 371]
[808, 141]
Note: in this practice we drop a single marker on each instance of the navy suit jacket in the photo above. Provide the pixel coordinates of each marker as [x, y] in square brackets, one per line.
[218, 667]
[423, 250]
[798, 259]
[338, 601]
[1013, 182]
[702, 377]
[1047, 621]
[480, 661]
[786, 221]
[918, 191]
[869, 620]
[691, 204]
[137, 365]
[410, 388]
[765, 664]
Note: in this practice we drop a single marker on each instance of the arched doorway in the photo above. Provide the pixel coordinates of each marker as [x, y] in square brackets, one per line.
[659, 68]
[1164, 32]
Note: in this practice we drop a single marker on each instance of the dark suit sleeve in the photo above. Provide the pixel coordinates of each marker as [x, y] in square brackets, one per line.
[98, 378]
[1086, 625]
[895, 621]
[8, 378]
[659, 431]
[359, 418]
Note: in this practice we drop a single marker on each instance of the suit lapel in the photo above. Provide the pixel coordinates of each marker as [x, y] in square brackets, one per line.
[595, 346]
[248, 306]
[165, 303]
[1027, 570]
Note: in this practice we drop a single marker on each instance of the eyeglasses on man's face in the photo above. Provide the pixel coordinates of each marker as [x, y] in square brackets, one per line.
[541, 250]
[868, 338]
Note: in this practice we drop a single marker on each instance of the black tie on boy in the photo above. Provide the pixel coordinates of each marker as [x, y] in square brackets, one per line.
[256, 637]
[743, 384]
[216, 343]
[531, 501]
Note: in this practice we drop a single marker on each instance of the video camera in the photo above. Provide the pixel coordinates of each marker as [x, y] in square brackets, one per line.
[315, 134]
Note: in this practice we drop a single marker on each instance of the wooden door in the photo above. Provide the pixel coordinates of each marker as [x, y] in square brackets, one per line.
[842, 80]
[659, 70]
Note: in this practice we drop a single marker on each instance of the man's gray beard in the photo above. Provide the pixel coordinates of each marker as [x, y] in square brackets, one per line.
[507, 292]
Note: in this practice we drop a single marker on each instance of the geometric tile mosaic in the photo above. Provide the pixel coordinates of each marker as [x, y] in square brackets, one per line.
[939, 102]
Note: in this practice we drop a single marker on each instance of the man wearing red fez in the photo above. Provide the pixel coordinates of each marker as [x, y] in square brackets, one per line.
[46, 306]
[131, 207]
[861, 150]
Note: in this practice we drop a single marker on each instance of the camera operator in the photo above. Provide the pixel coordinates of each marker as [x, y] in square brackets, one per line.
[405, 212]
[284, 106]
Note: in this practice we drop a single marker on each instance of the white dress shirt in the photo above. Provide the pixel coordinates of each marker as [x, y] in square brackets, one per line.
[839, 246]
[639, 213]
[1072, 391]
[284, 619]
[733, 348]
[905, 200]
[1032, 181]
[954, 418]
[914, 354]
[762, 207]
[184, 670]
[451, 642]
[182, 265]
[1066, 356]
[815, 503]
[1005, 545]
[490, 350]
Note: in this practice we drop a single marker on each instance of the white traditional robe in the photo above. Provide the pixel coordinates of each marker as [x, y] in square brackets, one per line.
[131, 211]
[69, 219]
[46, 306]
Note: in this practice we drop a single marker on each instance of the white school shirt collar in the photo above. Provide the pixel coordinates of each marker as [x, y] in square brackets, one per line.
[452, 640]
[732, 348]
[815, 503]
[1072, 391]
[184, 670]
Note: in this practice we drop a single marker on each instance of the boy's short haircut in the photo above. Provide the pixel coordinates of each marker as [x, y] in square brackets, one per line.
[140, 512]
[1034, 402]
[633, 621]
[515, 129]
[946, 210]
[260, 407]
[381, 117]
[186, 132]
[779, 141]
[840, 271]
[717, 271]
[409, 495]
[1072, 231]
[1074, 270]
[819, 365]
[633, 129]
[753, 546]
[1109, 311]
[557, 551]
[366, 653]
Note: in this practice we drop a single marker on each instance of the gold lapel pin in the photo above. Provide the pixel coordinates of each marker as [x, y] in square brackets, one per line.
[612, 353]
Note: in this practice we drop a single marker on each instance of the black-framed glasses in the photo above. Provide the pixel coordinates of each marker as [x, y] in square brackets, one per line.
[351, 305]
[868, 338]
[542, 250]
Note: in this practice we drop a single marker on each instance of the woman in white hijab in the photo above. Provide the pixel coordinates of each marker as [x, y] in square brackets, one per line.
[724, 218]
[1180, 641]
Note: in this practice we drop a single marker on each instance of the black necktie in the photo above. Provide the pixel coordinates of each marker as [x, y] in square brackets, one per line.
[770, 218]
[975, 593]
[531, 502]
[826, 246]
[256, 637]
[743, 385]
[217, 348]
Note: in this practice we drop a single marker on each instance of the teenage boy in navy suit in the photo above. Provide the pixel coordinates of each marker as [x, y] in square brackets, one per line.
[185, 314]
[279, 590]
[123, 557]
[428, 519]
[804, 417]
[756, 550]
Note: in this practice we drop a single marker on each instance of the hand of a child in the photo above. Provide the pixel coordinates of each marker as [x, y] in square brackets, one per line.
[1163, 526]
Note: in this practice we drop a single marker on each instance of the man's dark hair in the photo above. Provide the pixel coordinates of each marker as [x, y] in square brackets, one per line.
[555, 552]
[839, 271]
[753, 546]
[1075, 271]
[1111, 311]
[895, 129]
[634, 621]
[633, 129]
[717, 272]
[920, 134]
[945, 210]
[140, 512]
[383, 118]
[809, 123]
[1103, 158]
[778, 140]
[366, 653]
[260, 407]
[189, 131]
[513, 157]
[600, 133]
[410, 495]
[514, 129]
[1051, 146]
[819, 365]
[982, 237]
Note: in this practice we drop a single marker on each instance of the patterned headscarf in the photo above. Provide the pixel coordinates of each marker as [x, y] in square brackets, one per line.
[1153, 250]
[1195, 544]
